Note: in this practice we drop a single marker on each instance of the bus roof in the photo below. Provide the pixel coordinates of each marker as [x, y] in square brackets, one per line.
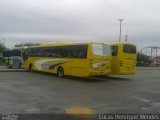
[57, 43]
[22, 47]
[121, 43]
[16, 48]
[62, 44]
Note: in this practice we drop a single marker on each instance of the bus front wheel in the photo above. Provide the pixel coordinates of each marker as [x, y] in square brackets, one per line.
[30, 68]
[20, 66]
[60, 72]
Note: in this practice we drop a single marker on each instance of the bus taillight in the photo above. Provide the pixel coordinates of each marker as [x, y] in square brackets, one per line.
[121, 63]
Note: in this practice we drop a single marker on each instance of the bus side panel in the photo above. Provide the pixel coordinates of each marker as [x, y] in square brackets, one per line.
[77, 67]
[25, 64]
[73, 67]
[99, 65]
[93, 65]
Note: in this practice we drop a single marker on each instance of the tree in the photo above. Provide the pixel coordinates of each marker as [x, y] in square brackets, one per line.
[2, 47]
[142, 60]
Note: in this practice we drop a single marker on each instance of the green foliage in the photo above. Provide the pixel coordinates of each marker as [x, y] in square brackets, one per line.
[143, 60]
[158, 58]
[2, 47]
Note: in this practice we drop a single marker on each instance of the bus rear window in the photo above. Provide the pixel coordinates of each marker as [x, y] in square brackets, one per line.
[16, 52]
[129, 49]
[114, 50]
[101, 49]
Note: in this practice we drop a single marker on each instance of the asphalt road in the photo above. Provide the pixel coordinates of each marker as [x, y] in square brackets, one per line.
[24, 92]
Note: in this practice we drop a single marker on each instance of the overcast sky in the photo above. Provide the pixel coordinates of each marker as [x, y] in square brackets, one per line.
[37, 21]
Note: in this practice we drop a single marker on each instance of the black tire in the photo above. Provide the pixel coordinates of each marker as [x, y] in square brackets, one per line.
[60, 72]
[30, 68]
[10, 67]
[20, 66]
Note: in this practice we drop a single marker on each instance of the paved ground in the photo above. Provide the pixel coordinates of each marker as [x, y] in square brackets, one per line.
[24, 92]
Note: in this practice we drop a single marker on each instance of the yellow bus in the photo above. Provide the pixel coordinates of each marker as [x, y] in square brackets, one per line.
[75, 59]
[123, 58]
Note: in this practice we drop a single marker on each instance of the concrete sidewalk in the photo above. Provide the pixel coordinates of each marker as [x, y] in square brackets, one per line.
[13, 70]
[6, 69]
[3, 67]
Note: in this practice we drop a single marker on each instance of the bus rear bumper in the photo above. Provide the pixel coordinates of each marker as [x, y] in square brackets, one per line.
[126, 73]
[99, 73]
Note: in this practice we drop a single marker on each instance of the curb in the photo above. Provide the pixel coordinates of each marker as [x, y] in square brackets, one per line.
[147, 68]
[13, 70]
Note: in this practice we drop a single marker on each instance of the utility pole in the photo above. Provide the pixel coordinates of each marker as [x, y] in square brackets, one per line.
[126, 39]
[120, 29]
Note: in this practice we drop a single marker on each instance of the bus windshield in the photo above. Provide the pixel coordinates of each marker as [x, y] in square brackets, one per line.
[129, 49]
[6, 53]
[101, 49]
[9, 53]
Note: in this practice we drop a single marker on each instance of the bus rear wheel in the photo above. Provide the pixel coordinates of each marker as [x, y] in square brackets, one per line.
[30, 68]
[60, 72]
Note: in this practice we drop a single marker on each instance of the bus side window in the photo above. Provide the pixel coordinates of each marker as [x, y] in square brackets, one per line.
[114, 50]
